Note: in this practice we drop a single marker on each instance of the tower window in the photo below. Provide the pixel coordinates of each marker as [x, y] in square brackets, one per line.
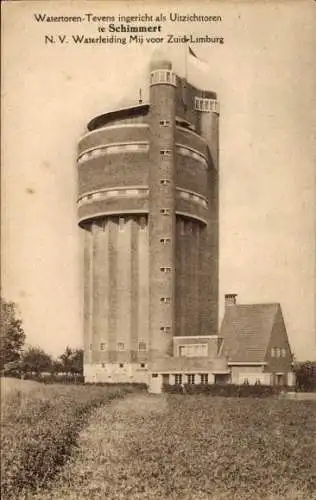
[165, 152]
[165, 269]
[142, 346]
[165, 211]
[120, 346]
[164, 182]
[165, 329]
[164, 123]
[102, 346]
[143, 365]
[121, 365]
[165, 300]
[121, 223]
[165, 241]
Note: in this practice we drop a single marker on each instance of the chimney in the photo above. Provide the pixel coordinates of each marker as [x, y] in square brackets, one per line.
[230, 299]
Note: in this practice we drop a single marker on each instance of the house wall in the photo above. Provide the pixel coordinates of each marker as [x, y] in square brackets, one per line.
[279, 339]
[115, 373]
[252, 373]
[213, 344]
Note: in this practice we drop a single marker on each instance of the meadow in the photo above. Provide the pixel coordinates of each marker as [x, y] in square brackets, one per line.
[192, 448]
[158, 447]
[40, 425]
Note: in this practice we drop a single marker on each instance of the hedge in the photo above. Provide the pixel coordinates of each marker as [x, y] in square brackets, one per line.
[229, 390]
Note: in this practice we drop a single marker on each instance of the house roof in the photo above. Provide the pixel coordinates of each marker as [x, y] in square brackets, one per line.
[246, 330]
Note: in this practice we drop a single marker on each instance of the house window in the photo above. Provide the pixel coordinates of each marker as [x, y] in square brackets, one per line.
[165, 300]
[120, 346]
[102, 346]
[102, 365]
[165, 269]
[165, 211]
[121, 365]
[193, 350]
[204, 378]
[142, 222]
[191, 378]
[121, 223]
[142, 346]
[278, 352]
[143, 365]
[273, 352]
[90, 347]
[165, 241]
[283, 352]
[178, 378]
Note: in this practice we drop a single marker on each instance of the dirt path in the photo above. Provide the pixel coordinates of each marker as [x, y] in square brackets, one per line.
[101, 460]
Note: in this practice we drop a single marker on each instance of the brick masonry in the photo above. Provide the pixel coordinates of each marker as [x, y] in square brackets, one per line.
[129, 302]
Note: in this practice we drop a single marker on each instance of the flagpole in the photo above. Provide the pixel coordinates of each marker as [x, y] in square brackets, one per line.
[186, 62]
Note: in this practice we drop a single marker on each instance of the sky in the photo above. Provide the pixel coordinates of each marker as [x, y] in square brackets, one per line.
[265, 76]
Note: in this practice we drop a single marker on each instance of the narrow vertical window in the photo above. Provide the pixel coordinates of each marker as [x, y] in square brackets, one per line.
[121, 223]
[142, 222]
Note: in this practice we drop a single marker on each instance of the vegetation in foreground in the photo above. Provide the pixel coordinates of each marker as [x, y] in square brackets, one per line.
[193, 448]
[40, 426]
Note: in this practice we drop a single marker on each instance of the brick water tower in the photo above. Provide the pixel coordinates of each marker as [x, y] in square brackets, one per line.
[148, 209]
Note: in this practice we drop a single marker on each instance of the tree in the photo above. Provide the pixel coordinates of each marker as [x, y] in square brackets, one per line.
[72, 360]
[305, 373]
[12, 336]
[35, 359]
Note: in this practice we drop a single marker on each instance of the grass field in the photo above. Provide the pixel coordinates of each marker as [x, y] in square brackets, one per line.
[40, 425]
[193, 448]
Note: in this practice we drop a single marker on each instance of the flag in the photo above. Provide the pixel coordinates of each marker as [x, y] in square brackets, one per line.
[192, 53]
